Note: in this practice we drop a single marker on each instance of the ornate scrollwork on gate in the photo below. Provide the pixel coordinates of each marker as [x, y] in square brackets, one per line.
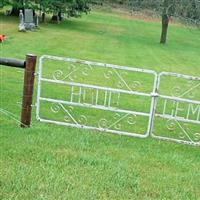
[116, 121]
[121, 81]
[71, 75]
[183, 130]
[68, 114]
[189, 91]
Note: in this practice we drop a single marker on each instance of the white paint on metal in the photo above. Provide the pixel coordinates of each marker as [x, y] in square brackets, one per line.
[96, 87]
[86, 105]
[191, 109]
[111, 96]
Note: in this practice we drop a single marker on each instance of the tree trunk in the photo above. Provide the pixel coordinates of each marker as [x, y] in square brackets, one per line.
[43, 17]
[55, 19]
[60, 16]
[165, 24]
[165, 21]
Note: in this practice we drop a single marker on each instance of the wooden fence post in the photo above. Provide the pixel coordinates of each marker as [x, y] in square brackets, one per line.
[29, 76]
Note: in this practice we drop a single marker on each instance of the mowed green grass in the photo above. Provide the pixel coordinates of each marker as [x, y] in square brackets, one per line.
[55, 162]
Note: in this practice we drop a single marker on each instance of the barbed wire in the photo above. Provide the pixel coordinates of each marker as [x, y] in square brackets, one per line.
[11, 93]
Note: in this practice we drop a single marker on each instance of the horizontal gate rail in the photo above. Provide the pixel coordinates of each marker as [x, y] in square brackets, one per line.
[13, 62]
[73, 60]
[94, 106]
[96, 87]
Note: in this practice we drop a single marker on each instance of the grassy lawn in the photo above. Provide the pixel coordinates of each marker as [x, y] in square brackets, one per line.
[56, 162]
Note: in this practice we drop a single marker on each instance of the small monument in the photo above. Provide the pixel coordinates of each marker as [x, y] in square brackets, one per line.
[29, 19]
[21, 22]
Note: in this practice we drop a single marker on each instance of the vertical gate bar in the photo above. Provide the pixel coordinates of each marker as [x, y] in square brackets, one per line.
[39, 88]
[153, 105]
[29, 76]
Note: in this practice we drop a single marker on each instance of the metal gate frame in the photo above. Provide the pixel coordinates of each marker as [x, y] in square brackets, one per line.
[176, 99]
[102, 65]
[154, 95]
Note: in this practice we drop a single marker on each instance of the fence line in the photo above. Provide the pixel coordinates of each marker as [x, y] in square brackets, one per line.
[177, 111]
[29, 74]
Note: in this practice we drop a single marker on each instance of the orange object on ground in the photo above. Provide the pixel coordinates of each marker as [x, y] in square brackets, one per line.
[2, 38]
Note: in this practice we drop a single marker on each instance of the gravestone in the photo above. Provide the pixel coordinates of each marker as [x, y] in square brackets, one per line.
[29, 19]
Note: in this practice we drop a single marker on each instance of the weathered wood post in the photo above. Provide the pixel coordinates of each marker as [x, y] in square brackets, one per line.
[29, 76]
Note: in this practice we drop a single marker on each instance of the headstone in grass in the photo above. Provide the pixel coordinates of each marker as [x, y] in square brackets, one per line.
[28, 16]
[29, 19]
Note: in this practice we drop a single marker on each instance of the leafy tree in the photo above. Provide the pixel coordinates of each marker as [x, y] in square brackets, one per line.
[73, 8]
[185, 10]
[188, 11]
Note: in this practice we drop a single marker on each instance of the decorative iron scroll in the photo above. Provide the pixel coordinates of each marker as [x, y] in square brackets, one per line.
[87, 70]
[186, 92]
[102, 123]
[184, 132]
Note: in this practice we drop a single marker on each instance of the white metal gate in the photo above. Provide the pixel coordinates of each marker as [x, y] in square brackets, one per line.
[95, 96]
[177, 108]
[118, 99]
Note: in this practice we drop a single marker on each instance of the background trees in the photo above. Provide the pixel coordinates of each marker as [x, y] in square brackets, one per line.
[188, 11]
[73, 8]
